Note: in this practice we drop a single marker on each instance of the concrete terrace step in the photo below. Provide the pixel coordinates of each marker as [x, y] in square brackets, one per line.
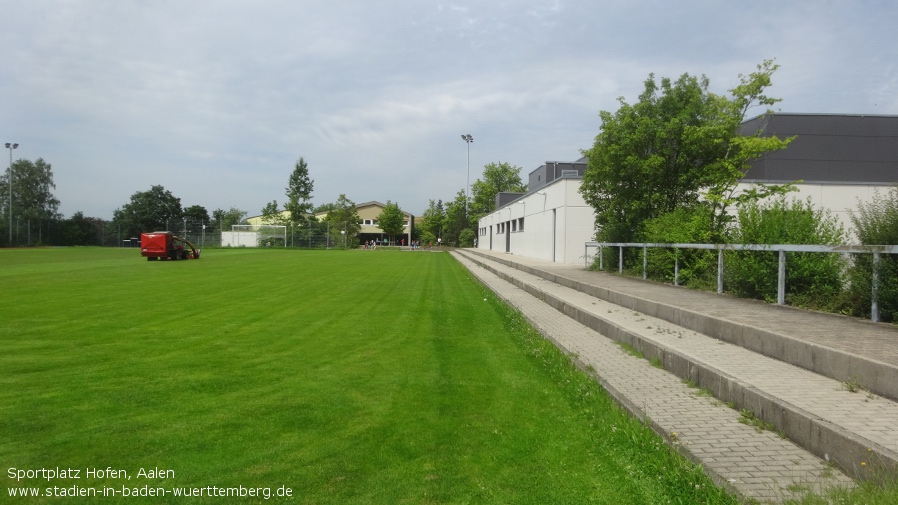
[856, 431]
[842, 348]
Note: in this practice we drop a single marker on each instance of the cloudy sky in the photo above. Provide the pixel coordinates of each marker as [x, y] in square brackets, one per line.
[216, 100]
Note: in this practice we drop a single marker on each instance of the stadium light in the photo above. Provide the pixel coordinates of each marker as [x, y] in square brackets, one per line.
[468, 139]
[10, 146]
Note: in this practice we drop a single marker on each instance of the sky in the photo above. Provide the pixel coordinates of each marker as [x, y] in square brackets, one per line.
[216, 100]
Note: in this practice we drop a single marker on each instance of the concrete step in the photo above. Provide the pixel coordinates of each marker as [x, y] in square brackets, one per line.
[857, 431]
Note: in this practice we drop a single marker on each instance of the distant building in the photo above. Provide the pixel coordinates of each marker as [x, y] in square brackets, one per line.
[368, 213]
[551, 221]
[839, 159]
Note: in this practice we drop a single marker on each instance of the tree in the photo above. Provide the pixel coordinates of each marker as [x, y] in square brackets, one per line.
[344, 218]
[32, 198]
[456, 220]
[391, 220]
[197, 213]
[742, 149]
[156, 209]
[678, 144]
[81, 230]
[432, 222]
[227, 218]
[271, 214]
[497, 178]
[299, 192]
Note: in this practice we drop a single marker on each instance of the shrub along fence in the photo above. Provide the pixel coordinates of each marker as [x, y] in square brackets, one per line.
[847, 251]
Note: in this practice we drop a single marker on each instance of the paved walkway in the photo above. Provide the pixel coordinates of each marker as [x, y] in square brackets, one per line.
[755, 463]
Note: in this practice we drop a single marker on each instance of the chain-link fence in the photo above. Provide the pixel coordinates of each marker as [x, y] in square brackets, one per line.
[99, 232]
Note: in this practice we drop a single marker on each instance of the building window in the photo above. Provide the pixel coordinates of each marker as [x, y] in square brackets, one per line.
[520, 224]
[514, 225]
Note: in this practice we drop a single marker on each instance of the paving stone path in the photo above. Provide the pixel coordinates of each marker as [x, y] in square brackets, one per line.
[755, 463]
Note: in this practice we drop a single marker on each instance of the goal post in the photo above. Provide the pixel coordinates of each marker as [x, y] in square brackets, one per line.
[250, 235]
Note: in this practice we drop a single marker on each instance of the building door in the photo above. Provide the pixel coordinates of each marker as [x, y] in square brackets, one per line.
[554, 232]
[508, 236]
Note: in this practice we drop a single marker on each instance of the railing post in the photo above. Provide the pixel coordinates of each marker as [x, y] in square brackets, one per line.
[781, 280]
[620, 260]
[601, 257]
[719, 270]
[644, 261]
[874, 306]
[676, 267]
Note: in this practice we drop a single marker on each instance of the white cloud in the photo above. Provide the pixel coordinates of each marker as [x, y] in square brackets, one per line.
[216, 100]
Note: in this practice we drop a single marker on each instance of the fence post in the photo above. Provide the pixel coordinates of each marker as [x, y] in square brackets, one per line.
[620, 262]
[719, 270]
[781, 280]
[601, 257]
[644, 261]
[676, 267]
[874, 306]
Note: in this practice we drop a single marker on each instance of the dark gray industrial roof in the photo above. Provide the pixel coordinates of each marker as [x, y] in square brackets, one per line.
[834, 148]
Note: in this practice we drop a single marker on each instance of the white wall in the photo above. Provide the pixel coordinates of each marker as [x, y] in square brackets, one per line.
[839, 199]
[239, 239]
[557, 223]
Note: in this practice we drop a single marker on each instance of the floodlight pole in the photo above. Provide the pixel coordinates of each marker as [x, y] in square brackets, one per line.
[468, 139]
[10, 146]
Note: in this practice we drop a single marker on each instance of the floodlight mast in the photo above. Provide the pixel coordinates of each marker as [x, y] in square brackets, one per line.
[468, 139]
[10, 146]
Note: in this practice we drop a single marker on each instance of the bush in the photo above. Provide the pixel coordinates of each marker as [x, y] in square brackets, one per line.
[813, 280]
[875, 223]
[697, 268]
[466, 238]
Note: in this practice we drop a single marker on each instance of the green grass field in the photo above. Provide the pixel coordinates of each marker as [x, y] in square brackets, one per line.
[344, 376]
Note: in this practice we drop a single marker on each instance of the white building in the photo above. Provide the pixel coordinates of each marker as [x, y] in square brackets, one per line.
[838, 160]
[550, 222]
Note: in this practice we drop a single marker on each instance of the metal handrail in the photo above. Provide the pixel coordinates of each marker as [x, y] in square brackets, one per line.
[782, 249]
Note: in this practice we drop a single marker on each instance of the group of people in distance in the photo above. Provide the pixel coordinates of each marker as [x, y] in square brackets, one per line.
[414, 244]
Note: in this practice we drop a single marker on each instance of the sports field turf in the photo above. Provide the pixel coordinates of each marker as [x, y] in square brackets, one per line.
[344, 376]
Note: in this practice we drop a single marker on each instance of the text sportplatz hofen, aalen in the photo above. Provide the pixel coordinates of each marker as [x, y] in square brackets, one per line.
[67, 482]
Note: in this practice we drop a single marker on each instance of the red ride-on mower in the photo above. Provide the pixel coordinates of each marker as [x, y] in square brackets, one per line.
[164, 245]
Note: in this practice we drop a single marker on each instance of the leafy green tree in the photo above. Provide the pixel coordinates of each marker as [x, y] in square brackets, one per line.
[497, 178]
[344, 217]
[742, 150]
[299, 201]
[81, 230]
[197, 213]
[299, 192]
[391, 220]
[272, 215]
[226, 218]
[456, 220]
[32, 198]
[432, 222]
[324, 207]
[678, 144]
[151, 210]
